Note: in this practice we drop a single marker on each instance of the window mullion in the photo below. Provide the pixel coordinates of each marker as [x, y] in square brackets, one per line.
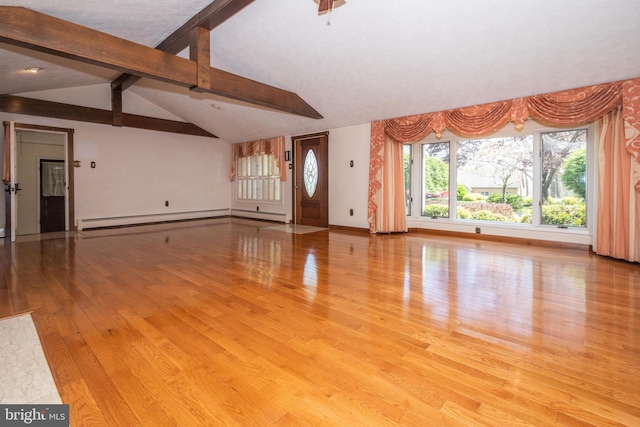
[537, 179]
[453, 179]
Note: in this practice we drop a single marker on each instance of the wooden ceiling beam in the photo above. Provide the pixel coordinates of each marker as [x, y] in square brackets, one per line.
[36, 31]
[36, 107]
[210, 17]
[116, 107]
[200, 52]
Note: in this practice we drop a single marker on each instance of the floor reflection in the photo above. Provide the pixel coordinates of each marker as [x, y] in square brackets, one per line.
[310, 277]
[502, 291]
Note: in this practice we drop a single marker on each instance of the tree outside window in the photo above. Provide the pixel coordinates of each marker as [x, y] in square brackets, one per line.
[435, 187]
[497, 179]
[564, 178]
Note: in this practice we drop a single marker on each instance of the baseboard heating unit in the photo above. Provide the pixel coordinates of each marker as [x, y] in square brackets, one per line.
[86, 223]
[267, 216]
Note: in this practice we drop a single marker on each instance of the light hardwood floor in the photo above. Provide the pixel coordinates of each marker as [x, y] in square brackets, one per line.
[229, 322]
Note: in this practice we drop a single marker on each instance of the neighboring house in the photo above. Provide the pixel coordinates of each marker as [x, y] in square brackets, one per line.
[485, 184]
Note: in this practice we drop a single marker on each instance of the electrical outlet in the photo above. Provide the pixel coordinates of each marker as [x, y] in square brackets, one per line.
[166, 203]
[350, 212]
[257, 208]
[477, 230]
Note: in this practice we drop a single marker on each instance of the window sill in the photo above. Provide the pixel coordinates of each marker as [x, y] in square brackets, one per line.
[519, 231]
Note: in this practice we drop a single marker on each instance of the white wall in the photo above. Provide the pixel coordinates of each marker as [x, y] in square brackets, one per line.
[137, 170]
[349, 186]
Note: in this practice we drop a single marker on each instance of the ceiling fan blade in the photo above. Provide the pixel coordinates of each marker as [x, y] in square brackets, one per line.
[325, 6]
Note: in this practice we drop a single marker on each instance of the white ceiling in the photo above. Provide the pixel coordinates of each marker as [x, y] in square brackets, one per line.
[377, 59]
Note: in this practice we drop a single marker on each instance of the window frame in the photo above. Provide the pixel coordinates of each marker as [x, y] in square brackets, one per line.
[408, 197]
[452, 223]
[254, 176]
[589, 165]
[423, 192]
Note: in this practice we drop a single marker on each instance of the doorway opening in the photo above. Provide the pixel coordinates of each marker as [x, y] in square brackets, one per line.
[40, 194]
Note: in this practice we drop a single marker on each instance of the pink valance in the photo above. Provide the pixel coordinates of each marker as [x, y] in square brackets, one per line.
[576, 106]
[273, 146]
[566, 108]
[570, 107]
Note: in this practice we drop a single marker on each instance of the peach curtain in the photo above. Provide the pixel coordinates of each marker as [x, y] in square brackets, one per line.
[618, 231]
[387, 213]
[616, 192]
[565, 108]
[273, 146]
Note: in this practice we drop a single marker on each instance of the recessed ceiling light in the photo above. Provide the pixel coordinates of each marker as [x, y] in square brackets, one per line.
[33, 70]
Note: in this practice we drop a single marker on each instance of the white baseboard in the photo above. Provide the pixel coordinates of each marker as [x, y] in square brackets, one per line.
[269, 216]
[86, 223]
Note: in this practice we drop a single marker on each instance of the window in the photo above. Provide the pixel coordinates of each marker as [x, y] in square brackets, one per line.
[494, 178]
[564, 178]
[406, 155]
[310, 173]
[536, 178]
[258, 178]
[435, 160]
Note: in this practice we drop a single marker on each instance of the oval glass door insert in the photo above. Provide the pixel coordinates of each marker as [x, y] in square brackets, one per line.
[310, 173]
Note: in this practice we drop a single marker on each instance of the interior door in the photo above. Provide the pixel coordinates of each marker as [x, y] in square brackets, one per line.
[52, 196]
[311, 182]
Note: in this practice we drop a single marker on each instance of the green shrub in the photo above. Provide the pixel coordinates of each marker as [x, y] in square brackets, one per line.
[527, 201]
[516, 201]
[485, 215]
[570, 201]
[502, 209]
[495, 198]
[473, 197]
[462, 191]
[443, 211]
[527, 217]
[462, 213]
[438, 210]
[570, 215]
[575, 173]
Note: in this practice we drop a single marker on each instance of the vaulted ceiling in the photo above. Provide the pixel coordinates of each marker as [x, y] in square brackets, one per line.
[367, 60]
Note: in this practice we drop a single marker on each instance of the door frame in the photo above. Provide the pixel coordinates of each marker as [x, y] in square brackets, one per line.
[70, 223]
[296, 164]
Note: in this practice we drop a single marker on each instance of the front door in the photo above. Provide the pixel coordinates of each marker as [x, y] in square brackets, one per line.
[311, 184]
[52, 196]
